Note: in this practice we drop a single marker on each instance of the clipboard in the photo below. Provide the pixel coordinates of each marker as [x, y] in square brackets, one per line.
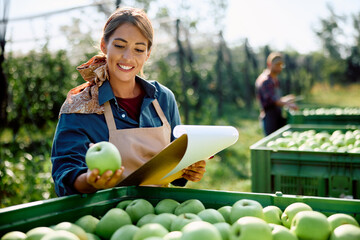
[193, 143]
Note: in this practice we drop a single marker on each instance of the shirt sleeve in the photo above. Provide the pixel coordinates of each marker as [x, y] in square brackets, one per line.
[267, 94]
[68, 154]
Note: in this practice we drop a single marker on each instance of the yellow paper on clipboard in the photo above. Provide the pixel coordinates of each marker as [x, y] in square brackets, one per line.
[193, 143]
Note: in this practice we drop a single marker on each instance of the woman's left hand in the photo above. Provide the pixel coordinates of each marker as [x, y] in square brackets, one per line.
[194, 172]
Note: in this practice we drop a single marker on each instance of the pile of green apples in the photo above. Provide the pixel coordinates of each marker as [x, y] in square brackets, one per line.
[330, 111]
[311, 140]
[169, 219]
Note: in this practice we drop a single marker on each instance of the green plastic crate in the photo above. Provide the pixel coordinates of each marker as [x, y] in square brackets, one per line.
[334, 117]
[311, 173]
[49, 212]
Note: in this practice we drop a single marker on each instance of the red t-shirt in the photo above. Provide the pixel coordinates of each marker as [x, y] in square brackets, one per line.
[132, 105]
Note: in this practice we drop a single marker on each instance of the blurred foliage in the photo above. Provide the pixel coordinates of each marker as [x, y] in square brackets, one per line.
[213, 84]
[25, 169]
[38, 83]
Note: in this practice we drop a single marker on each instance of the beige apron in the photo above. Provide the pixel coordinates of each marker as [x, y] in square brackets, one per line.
[138, 145]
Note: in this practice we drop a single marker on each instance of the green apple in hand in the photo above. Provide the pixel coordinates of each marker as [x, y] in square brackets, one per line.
[346, 232]
[103, 156]
[311, 225]
[291, 210]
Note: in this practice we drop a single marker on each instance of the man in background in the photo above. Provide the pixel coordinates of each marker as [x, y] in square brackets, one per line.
[270, 97]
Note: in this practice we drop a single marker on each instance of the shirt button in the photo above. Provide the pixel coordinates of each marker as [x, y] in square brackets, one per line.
[123, 115]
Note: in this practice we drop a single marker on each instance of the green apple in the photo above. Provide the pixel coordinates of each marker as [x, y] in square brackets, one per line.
[14, 235]
[350, 140]
[92, 236]
[250, 227]
[200, 230]
[166, 205]
[183, 219]
[174, 235]
[38, 232]
[224, 229]
[145, 219]
[325, 146]
[355, 150]
[123, 204]
[311, 225]
[88, 223]
[60, 235]
[246, 207]
[189, 206]
[73, 228]
[272, 214]
[225, 211]
[139, 208]
[322, 137]
[211, 215]
[150, 230]
[103, 156]
[164, 219]
[111, 221]
[125, 232]
[280, 232]
[346, 232]
[338, 219]
[291, 210]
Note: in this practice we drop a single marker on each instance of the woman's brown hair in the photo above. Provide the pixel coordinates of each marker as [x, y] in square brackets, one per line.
[135, 16]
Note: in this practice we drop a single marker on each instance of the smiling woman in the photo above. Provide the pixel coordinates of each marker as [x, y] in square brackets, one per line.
[116, 105]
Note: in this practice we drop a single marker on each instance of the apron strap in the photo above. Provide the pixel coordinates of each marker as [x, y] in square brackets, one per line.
[109, 116]
[160, 112]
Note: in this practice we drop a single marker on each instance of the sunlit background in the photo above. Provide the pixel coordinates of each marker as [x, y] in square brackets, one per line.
[281, 24]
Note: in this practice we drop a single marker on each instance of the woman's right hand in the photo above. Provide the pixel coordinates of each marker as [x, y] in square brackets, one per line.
[107, 180]
[91, 181]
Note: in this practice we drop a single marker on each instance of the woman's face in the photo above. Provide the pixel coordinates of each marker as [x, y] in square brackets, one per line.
[127, 52]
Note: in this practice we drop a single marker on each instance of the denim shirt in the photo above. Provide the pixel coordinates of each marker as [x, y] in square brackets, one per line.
[75, 131]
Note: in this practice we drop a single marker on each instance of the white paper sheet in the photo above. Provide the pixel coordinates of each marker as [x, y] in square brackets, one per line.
[203, 142]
